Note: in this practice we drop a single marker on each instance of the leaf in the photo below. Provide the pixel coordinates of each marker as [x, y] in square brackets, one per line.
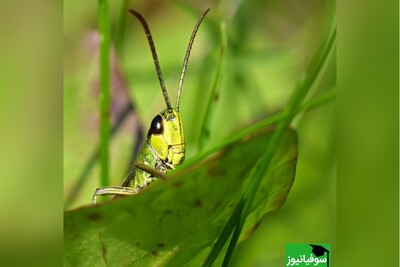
[175, 223]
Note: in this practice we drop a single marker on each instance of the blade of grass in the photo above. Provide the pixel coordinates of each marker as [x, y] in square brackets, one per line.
[104, 37]
[120, 35]
[225, 234]
[317, 101]
[262, 164]
[206, 124]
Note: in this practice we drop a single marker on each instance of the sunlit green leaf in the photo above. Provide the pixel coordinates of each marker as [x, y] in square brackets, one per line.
[175, 223]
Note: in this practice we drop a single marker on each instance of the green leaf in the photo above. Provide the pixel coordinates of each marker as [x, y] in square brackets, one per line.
[175, 223]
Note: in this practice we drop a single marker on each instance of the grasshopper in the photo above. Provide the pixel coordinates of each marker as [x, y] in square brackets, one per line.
[164, 148]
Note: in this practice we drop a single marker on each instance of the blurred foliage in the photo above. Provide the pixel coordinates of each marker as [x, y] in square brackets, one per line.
[269, 45]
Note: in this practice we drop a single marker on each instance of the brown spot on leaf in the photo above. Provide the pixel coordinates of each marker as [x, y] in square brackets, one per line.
[178, 184]
[256, 225]
[216, 97]
[161, 244]
[254, 228]
[154, 252]
[198, 203]
[166, 212]
[216, 170]
[94, 216]
[281, 198]
[130, 211]
[104, 253]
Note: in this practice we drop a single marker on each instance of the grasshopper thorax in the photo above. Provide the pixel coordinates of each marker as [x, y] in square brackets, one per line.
[166, 137]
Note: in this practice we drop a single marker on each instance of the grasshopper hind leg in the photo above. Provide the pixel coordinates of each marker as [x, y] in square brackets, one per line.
[124, 190]
[113, 190]
[147, 175]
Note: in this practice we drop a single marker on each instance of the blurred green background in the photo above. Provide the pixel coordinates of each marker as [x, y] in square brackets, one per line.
[269, 46]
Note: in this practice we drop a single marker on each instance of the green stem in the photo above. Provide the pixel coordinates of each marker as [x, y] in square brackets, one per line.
[230, 225]
[104, 37]
[261, 167]
[205, 128]
[225, 234]
[119, 38]
[262, 164]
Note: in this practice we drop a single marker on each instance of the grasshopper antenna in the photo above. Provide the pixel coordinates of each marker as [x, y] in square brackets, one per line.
[154, 54]
[185, 61]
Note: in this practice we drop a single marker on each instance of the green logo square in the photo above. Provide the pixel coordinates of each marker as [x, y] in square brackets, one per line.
[308, 255]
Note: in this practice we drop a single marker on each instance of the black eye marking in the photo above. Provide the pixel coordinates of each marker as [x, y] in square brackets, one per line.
[156, 126]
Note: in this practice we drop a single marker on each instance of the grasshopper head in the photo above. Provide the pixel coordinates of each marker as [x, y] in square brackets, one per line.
[166, 136]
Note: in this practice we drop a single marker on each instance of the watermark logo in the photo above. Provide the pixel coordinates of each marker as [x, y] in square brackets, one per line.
[308, 255]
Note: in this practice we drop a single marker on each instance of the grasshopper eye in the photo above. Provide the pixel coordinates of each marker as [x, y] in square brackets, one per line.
[156, 126]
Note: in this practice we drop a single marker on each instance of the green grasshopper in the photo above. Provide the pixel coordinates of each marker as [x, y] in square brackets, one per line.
[164, 148]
